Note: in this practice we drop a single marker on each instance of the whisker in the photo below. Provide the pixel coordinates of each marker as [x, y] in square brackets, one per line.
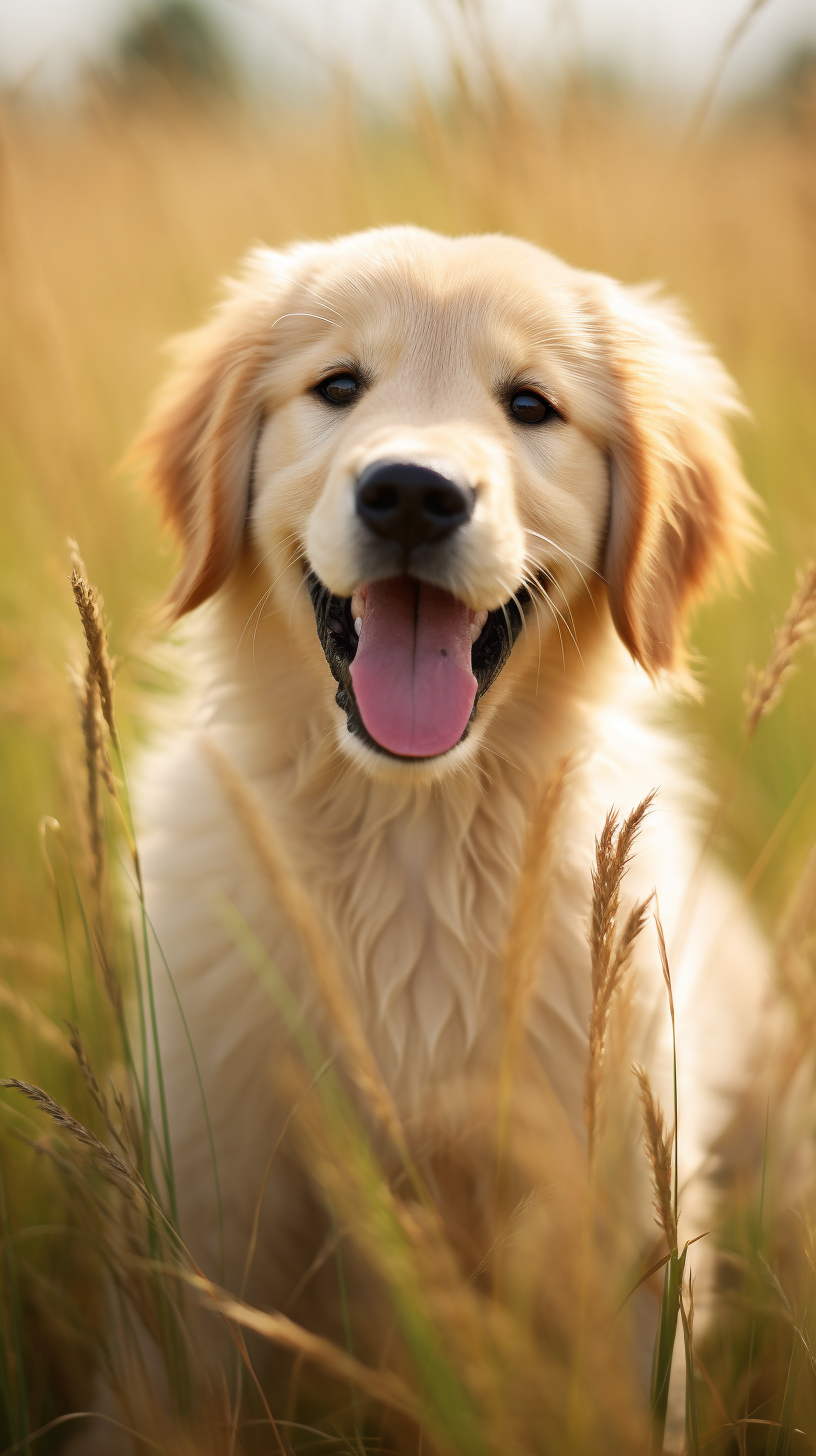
[556, 583]
[273, 549]
[540, 650]
[496, 754]
[301, 313]
[523, 616]
[567, 607]
[259, 608]
[297, 283]
[300, 585]
[511, 596]
[257, 605]
[575, 560]
[528, 584]
[344, 773]
[545, 597]
[536, 587]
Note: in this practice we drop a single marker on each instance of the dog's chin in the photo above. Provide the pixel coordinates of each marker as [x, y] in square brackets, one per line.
[339, 640]
[394, 768]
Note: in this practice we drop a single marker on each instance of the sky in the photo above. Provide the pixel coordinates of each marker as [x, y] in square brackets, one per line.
[660, 44]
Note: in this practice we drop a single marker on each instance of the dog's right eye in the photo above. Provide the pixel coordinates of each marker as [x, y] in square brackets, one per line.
[339, 389]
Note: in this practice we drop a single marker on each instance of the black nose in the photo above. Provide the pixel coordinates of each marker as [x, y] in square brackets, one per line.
[412, 504]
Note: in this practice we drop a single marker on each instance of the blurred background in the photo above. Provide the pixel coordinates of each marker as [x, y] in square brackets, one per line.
[145, 146]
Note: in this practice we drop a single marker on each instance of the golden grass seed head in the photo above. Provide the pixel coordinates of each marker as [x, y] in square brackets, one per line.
[610, 954]
[765, 688]
[659, 1153]
[128, 1180]
[90, 604]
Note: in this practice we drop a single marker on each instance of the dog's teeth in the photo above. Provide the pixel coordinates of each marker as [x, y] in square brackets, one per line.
[358, 606]
[479, 619]
[358, 625]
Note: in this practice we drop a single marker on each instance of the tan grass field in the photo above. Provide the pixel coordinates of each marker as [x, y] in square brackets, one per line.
[116, 222]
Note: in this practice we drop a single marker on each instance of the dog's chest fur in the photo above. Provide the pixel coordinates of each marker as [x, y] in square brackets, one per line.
[417, 897]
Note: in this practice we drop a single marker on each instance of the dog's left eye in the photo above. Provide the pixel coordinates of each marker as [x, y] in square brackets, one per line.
[339, 389]
[530, 408]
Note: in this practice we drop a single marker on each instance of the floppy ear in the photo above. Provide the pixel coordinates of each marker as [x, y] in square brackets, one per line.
[200, 439]
[680, 506]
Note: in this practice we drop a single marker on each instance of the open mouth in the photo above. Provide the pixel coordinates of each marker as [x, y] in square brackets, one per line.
[411, 661]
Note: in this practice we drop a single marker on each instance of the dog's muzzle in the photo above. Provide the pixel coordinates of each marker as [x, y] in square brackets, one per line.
[409, 673]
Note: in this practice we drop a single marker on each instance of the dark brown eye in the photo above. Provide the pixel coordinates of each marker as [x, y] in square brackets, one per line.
[340, 389]
[531, 408]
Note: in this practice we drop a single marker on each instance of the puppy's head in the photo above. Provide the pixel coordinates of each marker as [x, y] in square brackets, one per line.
[441, 437]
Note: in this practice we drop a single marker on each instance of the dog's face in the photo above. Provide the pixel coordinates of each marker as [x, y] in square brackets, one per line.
[444, 437]
[426, 461]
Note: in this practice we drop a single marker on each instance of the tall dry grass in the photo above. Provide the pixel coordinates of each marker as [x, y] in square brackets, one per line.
[116, 220]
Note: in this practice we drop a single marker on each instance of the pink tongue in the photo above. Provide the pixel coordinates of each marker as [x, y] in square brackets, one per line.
[411, 673]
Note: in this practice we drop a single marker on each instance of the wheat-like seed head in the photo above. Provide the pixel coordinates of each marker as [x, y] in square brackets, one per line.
[95, 1091]
[128, 1180]
[610, 954]
[604, 899]
[91, 721]
[620, 956]
[764, 688]
[659, 1153]
[89, 604]
[613, 851]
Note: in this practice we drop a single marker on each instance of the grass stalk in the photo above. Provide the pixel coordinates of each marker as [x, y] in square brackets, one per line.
[665, 1176]
[165, 1120]
[144, 1098]
[692, 1414]
[202, 1097]
[46, 824]
[664, 1346]
[781, 1435]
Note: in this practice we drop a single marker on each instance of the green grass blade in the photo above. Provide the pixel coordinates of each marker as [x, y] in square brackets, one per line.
[202, 1095]
[86, 929]
[144, 1099]
[61, 915]
[692, 1416]
[127, 816]
[346, 1316]
[780, 1437]
[664, 1346]
[154, 1029]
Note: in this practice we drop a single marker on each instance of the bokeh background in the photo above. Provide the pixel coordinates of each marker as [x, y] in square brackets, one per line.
[143, 148]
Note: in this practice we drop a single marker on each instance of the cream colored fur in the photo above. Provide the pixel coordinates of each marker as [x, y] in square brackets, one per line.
[630, 503]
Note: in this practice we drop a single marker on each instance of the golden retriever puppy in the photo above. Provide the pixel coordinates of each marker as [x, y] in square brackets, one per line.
[443, 504]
